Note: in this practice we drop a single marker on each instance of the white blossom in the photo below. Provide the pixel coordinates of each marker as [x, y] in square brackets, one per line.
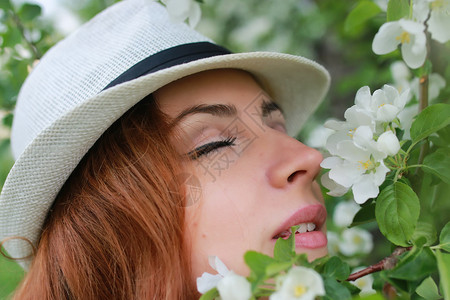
[317, 138]
[344, 212]
[407, 33]
[364, 283]
[406, 117]
[234, 287]
[299, 283]
[355, 241]
[358, 165]
[388, 143]
[335, 189]
[333, 243]
[355, 117]
[384, 105]
[180, 10]
[208, 281]
[435, 84]
[401, 76]
[439, 22]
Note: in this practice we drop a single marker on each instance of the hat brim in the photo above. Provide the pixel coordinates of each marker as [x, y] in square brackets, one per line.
[296, 84]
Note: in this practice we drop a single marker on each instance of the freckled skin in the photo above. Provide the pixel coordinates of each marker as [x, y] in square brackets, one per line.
[241, 208]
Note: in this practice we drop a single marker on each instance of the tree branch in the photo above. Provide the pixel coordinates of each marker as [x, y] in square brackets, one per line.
[385, 264]
[20, 27]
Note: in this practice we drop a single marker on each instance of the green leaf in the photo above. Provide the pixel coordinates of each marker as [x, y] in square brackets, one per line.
[335, 290]
[353, 289]
[425, 230]
[428, 289]
[364, 11]
[210, 295]
[365, 215]
[373, 297]
[444, 237]
[29, 12]
[258, 262]
[397, 211]
[285, 248]
[277, 267]
[438, 164]
[397, 9]
[416, 266]
[5, 4]
[336, 268]
[444, 134]
[430, 120]
[443, 262]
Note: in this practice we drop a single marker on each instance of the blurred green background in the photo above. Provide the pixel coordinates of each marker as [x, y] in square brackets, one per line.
[315, 29]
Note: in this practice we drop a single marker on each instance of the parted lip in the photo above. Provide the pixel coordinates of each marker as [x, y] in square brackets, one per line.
[316, 214]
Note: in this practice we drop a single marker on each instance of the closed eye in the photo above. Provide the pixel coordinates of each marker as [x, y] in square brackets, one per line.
[208, 148]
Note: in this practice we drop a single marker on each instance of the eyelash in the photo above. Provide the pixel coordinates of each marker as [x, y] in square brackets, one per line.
[211, 147]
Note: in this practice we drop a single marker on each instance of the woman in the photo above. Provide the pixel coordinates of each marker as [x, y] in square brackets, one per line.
[143, 148]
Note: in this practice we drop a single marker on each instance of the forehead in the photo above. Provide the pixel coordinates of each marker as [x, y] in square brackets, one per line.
[223, 86]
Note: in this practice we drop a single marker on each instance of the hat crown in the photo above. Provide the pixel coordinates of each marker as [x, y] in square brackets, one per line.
[83, 64]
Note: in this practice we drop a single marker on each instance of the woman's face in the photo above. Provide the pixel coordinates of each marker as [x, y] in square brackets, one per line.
[247, 182]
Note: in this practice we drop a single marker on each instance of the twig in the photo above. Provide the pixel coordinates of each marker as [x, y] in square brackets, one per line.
[385, 264]
[423, 103]
[31, 45]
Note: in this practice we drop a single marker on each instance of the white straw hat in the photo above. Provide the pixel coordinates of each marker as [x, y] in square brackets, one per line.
[87, 81]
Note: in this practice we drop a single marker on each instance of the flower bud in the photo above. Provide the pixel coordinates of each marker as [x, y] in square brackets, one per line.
[388, 143]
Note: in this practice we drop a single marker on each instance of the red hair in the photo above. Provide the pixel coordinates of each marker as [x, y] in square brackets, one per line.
[115, 230]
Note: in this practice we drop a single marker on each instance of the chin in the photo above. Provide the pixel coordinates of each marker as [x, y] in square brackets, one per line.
[314, 253]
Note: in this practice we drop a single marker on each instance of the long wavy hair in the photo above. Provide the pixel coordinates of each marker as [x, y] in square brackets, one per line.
[115, 230]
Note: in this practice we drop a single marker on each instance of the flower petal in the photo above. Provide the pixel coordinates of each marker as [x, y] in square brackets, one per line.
[195, 14]
[331, 162]
[388, 143]
[363, 136]
[178, 9]
[207, 281]
[335, 189]
[351, 152]
[365, 189]
[439, 24]
[345, 174]
[411, 26]
[234, 287]
[385, 40]
[414, 59]
[218, 265]
[387, 113]
[363, 97]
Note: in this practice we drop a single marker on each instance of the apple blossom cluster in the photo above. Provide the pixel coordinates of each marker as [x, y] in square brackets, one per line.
[409, 33]
[361, 143]
[229, 285]
[348, 241]
[298, 283]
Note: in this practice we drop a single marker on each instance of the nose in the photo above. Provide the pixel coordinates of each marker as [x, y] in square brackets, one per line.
[292, 162]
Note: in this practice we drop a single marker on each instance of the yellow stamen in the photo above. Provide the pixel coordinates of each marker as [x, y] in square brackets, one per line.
[361, 283]
[351, 132]
[357, 240]
[299, 290]
[366, 164]
[404, 37]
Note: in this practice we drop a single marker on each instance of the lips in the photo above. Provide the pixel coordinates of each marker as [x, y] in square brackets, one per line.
[311, 219]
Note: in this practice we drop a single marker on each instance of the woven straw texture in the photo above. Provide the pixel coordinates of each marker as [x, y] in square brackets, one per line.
[62, 110]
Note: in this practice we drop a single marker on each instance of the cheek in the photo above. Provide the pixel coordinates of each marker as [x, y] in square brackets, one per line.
[317, 192]
[220, 225]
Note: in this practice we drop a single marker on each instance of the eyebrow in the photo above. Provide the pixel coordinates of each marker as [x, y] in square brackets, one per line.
[223, 110]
